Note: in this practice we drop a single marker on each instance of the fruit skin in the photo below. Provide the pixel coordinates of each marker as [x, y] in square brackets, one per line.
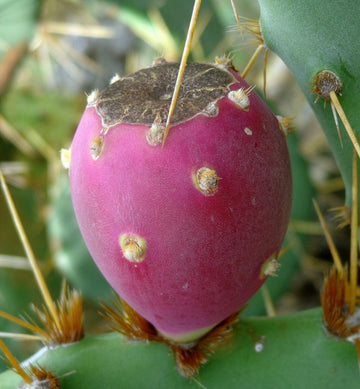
[204, 253]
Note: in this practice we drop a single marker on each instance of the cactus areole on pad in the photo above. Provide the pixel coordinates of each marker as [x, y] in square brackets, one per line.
[184, 230]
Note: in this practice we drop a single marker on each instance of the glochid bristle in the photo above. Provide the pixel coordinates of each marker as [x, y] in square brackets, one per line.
[189, 357]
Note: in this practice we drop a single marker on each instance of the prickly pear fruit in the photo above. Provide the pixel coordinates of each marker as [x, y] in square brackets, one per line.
[182, 231]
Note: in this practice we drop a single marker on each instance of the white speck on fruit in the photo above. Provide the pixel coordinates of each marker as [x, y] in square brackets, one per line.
[115, 78]
[211, 110]
[240, 98]
[96, 147]
[185, 286]
[65, 158]
[92, 97]
[155, 135]
[133, 247]
[206, 181]
[247, 131]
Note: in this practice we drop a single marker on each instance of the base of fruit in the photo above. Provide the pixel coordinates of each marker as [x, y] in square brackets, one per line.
[188, 337]
[191, 350]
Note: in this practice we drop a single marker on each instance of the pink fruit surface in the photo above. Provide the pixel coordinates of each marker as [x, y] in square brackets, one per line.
[185, 255]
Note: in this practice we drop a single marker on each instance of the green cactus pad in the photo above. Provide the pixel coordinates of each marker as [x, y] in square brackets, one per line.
[281, 352]
[311, 37]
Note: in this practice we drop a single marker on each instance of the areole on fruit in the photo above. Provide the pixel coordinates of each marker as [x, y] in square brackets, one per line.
[133, 247]
[181, 232]
[206, 180]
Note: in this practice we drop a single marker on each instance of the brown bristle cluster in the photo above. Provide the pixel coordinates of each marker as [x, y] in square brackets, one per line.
[33, 377]
[335, 304]
[341, 216]
[127, 321]
[41, 379]
[70, 314]
[324, 82]
[253, 28]
[189, 357]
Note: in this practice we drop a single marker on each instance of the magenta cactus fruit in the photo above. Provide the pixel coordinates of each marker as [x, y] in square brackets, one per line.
[182, 231]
